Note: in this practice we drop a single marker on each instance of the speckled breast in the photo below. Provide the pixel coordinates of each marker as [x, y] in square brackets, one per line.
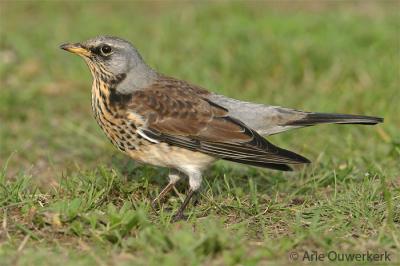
[118, 128]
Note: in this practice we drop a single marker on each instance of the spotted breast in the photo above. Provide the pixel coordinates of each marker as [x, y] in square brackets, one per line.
[114, 121]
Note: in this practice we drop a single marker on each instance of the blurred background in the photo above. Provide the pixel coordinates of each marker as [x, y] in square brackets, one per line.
[315, 56]
[66, 194]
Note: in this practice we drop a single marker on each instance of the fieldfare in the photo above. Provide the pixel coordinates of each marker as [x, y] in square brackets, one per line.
[163, 121]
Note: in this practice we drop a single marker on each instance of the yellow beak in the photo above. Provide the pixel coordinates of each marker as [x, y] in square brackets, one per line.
[76, 48]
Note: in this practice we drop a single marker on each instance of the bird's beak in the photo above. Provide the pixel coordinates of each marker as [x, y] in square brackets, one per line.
[76, 48]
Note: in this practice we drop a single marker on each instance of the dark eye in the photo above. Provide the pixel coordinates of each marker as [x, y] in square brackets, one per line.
[105, 49]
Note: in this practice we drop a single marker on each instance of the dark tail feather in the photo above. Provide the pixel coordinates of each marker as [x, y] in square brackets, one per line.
[320, 118]
[281, 167]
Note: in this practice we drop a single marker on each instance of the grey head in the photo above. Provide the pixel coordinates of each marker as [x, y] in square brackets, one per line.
[114, 60]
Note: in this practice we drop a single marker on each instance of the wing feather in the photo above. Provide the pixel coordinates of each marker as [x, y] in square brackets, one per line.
[180, 114]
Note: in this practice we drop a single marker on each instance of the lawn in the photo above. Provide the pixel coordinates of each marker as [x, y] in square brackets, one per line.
[68, 196]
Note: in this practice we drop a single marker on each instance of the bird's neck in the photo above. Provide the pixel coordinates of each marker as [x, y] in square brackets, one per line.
[137, 78]
[116, 90]
[104, 90]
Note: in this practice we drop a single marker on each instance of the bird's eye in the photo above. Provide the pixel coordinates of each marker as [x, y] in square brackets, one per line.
[105, 49]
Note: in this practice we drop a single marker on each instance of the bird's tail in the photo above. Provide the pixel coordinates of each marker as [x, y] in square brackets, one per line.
[311, 119]
[269, 120]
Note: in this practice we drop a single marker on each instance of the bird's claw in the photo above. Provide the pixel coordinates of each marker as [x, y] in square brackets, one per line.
[179, 217]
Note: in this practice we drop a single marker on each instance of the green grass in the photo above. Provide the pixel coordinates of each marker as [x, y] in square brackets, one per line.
[67, 195]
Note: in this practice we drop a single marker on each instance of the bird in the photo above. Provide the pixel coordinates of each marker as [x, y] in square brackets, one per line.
[163, 121]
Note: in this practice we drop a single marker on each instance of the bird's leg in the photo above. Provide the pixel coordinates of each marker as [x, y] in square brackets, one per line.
[196, 199]
[160, 198]
[174, 177]
[194, 182]
[179, 214]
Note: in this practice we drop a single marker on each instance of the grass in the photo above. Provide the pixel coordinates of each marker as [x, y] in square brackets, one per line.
[67, 195]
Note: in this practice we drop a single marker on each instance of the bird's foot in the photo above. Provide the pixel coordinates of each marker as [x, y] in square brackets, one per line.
[179, 216]
[155, 205]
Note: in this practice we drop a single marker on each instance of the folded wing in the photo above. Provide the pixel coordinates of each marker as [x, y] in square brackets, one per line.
[180, 114]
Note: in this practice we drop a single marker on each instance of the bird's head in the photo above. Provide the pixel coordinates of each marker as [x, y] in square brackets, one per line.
[109, 57]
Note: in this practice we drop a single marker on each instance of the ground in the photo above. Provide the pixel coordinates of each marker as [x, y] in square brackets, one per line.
[67, 195]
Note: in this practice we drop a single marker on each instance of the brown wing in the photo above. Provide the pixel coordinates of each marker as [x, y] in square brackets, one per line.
[180, 114]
